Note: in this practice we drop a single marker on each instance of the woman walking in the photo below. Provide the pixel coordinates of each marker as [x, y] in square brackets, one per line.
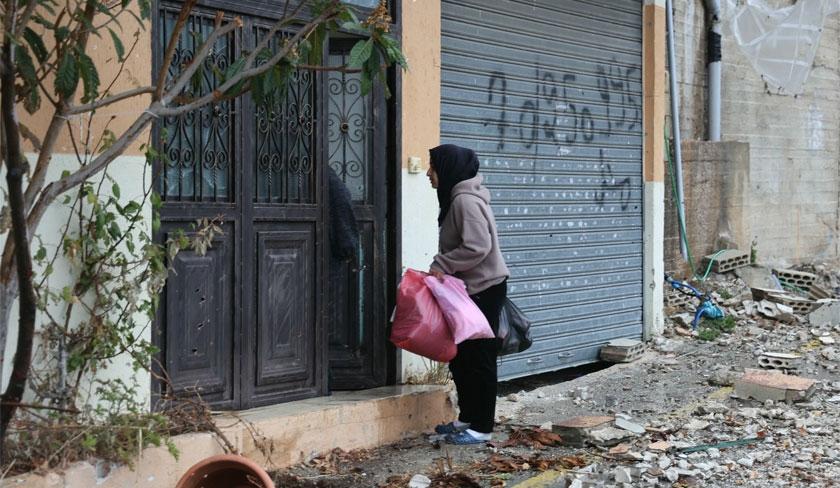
[469, 250]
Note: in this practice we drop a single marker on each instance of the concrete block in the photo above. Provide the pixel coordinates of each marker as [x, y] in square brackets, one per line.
[771, 385]
[779, 361]
[577, 430]
[794, 278]
[727, 261]
[622, 351]
[801, 306]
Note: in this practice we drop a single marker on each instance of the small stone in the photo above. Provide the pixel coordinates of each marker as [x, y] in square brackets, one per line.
[513, 397]
[672, 474]
[746, 462]
[697, 424]
[664, 462]
[660, 446]
[683, 319]
[630, 426]
[419, 481]
[714, 453]
[620, 449]
[576, 484]
[827, 340]
[683, 464]
[750, 413]
[609, 436]
[622, 475]
[654, 471]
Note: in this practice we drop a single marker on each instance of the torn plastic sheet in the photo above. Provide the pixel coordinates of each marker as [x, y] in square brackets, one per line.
[780, 43]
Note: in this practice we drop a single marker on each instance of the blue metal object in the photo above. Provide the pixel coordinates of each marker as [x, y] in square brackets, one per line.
[708, 308]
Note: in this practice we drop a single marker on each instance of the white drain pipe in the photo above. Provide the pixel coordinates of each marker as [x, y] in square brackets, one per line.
[714, 59]
[675, 121]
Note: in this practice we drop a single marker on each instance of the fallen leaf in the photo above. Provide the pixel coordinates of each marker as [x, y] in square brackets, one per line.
[533, 438]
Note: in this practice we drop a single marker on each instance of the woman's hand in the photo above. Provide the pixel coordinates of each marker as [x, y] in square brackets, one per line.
[437, 274]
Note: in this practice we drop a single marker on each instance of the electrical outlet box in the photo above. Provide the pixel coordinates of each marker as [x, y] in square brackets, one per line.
[414, 165]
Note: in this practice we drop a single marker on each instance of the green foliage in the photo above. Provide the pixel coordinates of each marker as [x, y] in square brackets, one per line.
[724, 294]
[67, 76]
[711, 329]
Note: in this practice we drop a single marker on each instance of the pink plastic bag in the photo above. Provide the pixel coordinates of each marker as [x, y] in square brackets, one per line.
[419, 325]
[462, 314]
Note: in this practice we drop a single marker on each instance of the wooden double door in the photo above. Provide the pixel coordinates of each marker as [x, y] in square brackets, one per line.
[266, 315]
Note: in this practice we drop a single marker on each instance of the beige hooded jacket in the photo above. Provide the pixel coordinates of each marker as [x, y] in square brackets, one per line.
[469, 244]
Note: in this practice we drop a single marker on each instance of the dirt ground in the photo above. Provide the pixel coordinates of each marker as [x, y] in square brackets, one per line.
[679, 391]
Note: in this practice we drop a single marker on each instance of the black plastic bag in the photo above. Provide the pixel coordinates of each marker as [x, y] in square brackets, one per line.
[514, 332]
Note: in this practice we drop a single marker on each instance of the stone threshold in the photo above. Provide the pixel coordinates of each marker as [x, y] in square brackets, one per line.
[275, 437]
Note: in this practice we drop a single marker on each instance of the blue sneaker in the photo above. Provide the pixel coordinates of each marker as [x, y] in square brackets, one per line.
[463, 439]
[450, 428]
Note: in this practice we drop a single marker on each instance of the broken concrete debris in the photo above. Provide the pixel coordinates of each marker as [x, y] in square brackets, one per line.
[419, 481]
[771, 385]
[758, 277]
[827, 314]
[599, 431]
[629, 426]
[576, 431]
[622, 351]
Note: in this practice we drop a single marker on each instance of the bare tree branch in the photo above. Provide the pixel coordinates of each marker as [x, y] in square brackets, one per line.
[30, 136]
[248, 72]
[335, 69]
[185, 76]
[90, 107]
[56, 188]
[36, 181]
[284, 21]
[175, 37]
[25, 16]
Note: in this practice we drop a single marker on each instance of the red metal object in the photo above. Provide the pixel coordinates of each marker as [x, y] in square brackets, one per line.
[225, 471]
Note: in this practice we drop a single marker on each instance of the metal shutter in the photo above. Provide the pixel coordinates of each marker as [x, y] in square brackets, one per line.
[549, 94]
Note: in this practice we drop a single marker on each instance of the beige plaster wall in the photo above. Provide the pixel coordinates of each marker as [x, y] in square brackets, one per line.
[420, 132]
[421, 83]
[136, 72]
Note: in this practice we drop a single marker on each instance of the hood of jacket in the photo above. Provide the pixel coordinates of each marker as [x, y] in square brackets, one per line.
[472, 186]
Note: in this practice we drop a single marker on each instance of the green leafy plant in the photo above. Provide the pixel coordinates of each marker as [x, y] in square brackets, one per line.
[711, 329]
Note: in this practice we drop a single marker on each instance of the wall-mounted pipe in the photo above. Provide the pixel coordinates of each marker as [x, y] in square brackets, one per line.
[714, 70]
[675, 120]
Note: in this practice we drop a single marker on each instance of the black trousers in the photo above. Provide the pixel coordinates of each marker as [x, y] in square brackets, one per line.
[474, 367]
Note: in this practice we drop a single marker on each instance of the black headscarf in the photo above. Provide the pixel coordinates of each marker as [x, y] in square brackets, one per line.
[453, 164]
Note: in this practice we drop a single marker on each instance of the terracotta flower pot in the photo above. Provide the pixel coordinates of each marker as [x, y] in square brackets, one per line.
[225, 471]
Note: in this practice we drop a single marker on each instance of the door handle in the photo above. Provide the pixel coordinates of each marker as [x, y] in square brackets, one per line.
[534, 361]
[564, 355]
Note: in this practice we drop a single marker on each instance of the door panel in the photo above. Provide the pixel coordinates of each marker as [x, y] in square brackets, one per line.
[356, 134]
[285, 307]
[198, 304]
